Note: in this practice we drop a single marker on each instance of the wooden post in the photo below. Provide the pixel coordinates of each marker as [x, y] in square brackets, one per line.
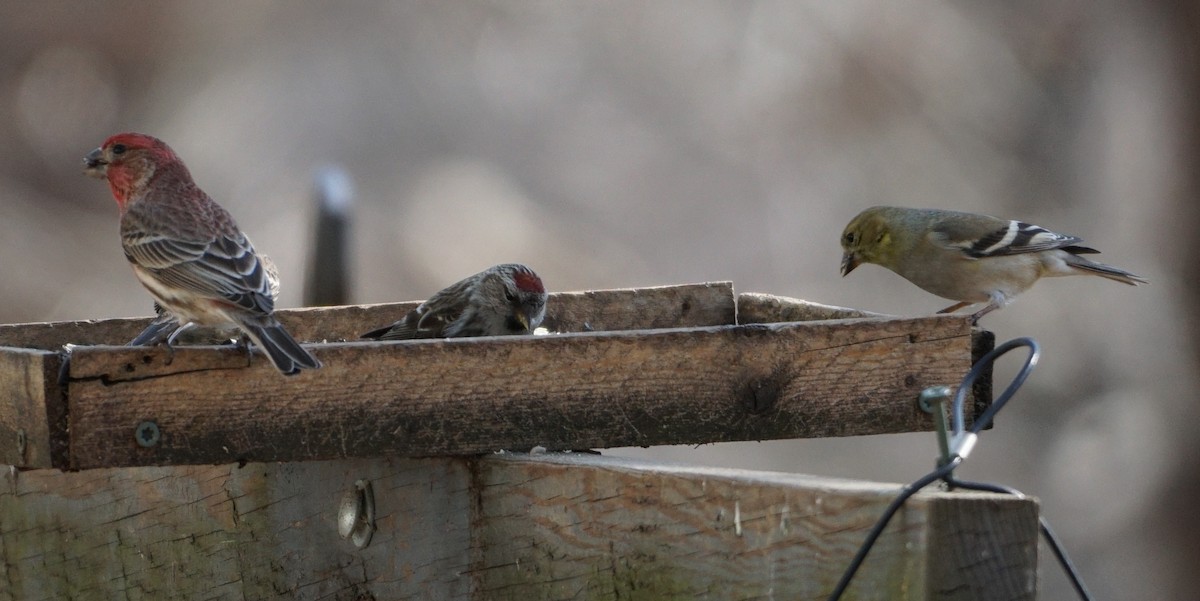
[520, 527]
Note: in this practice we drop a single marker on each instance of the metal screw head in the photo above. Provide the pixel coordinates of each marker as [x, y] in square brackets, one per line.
[146, 434]
[931, 396]
[356, 514]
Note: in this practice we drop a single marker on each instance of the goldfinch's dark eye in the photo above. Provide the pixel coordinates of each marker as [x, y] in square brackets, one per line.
[849, 238]
[118, 149]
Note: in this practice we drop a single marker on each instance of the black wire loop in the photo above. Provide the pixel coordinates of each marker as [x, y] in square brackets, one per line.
[985, 362]
[946, 472]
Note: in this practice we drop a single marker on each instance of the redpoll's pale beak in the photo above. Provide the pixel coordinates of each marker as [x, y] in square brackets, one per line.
[95, 165]
[849, 262]
[523, 320]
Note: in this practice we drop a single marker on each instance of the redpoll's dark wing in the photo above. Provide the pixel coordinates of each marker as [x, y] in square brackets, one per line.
[405, 329]
[445, 307]
[418, 323]
[377, 333]
[432, 317]
[477, 323]
[225, 266]
[997, 237]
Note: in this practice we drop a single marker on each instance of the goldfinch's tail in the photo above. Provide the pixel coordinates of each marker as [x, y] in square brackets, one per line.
[1105, 271]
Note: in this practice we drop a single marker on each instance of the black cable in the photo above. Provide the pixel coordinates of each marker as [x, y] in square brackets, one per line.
[940, 473]
[960, 396]
[946, 472]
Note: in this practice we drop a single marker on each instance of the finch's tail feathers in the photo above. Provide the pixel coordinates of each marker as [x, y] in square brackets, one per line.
[284, 352]
[1106, 271]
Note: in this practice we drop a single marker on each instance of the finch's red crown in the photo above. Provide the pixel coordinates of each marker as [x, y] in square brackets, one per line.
[149, 144]
[131, 161]
[528, 282]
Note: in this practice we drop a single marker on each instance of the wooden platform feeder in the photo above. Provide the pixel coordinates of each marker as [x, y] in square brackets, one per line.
[204, 474]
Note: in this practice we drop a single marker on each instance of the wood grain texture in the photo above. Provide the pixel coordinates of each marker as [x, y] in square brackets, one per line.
[466, 396]
[500, 527]
[264, 531]
[983, 550]
[586, 527]
[33, 419]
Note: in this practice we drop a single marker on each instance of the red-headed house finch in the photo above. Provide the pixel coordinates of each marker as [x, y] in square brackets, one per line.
[187, 250]
[502, 300]
[967, 257]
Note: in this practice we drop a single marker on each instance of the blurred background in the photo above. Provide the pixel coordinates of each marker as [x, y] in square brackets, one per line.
[622, 144]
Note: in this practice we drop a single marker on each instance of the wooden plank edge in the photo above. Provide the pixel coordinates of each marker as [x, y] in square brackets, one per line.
[33, 420]
[682, 305]
[757, 307]
[766, 386]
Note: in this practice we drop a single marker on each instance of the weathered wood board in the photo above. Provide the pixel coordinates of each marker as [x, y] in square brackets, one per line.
[263, 531]
[500, 527]
[25, 395]
[637, 367]
[572, 526]
[467, 396]
[33, 419]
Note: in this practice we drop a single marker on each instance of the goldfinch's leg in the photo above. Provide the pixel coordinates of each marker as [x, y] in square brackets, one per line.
[955, 307]
[999, 299]
[988, 308]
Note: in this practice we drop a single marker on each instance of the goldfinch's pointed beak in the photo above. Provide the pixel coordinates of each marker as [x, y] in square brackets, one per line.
[849, 262]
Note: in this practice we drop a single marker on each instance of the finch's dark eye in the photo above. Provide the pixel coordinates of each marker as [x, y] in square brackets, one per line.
[850, 238]
[118, 149]
[510, 296]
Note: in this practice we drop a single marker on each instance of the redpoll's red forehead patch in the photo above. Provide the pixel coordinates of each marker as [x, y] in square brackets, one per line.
[528, 282]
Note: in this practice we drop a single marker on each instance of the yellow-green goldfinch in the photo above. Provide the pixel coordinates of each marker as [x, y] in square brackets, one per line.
[967, 257]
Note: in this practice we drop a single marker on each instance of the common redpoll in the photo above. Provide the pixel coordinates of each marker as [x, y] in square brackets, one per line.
[502, 300]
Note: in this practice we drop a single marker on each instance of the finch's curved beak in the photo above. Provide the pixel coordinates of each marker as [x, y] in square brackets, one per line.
[95, 165]
[522, 319]
[849, 262]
